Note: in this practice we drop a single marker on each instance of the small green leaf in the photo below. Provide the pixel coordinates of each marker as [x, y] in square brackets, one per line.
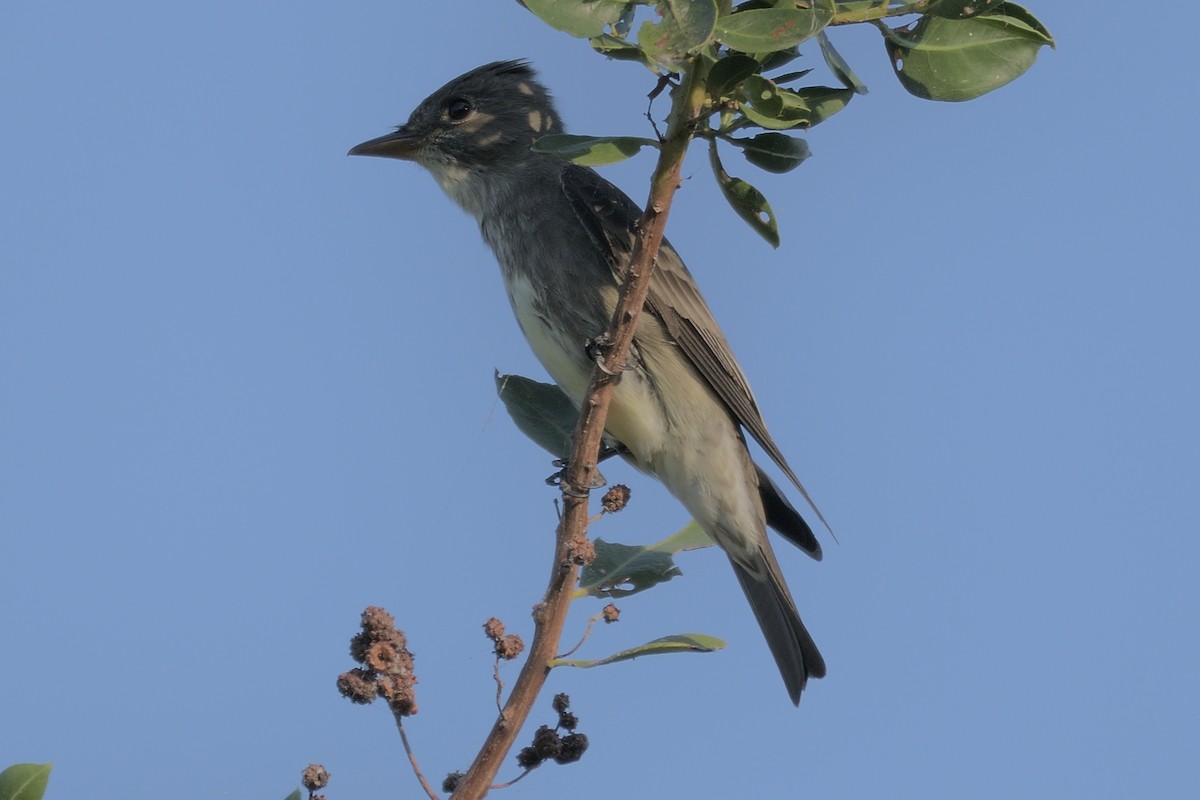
[24, 781]
[956, 60]
[541, 411]
[617, 49]
[820, 102]
[839, 66]
[680, 643]
[774, 152]
[591, 151]
[689, 537]
[295, 795]
[584, 18]
[728, 73]
[620, 570]
[767, 30]
[686, 26]
[748, 202]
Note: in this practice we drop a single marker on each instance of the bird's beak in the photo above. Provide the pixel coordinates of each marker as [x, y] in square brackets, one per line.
[402, 144]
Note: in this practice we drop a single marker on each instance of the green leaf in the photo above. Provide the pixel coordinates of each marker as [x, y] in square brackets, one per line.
[689, 537]
[621, 570]
[956, 60]
[839, 66]
[961, 9]
[779, 109]
[584, 18]
[774, 152]
[295, 795]
[617, 49]
[591, 151]
[541, 411]
[748, 202]
[728, 74]
[820, 102]
[686, 26]
[24, 781]
[767, 30]
[680, 643]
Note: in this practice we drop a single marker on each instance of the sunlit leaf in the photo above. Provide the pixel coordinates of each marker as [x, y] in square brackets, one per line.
[689, 537]
[685, 27]
[24, 781]
[617, 49]
[680, 643]
[591, 151]
[956, 60]
[585, 18]
[541, 411]
[766, 30]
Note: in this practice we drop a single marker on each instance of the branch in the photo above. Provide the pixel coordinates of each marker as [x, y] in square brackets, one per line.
[571, 541]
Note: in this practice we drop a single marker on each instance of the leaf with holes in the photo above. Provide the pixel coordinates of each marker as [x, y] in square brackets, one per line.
[956, 60]
[591, 151]
[748, 202]
[679, 643]
[621, 570]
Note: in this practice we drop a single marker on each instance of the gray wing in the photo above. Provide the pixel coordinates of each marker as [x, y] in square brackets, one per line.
[611, 217]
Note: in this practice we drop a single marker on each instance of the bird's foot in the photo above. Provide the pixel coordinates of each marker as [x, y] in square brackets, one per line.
[556, 479]
[598, 348]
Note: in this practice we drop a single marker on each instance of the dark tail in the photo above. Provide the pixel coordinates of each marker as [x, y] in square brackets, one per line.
[784, 518]
[795, 652]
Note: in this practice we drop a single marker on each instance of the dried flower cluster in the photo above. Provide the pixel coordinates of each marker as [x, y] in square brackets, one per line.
[549, 744]
[387, 669]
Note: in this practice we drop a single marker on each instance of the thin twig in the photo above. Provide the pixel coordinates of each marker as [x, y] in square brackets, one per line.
[499, 686]
[412, 758]
[510, 783]
[586, 632]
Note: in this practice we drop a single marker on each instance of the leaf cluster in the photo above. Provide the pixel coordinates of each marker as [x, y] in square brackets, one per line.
[949, 50]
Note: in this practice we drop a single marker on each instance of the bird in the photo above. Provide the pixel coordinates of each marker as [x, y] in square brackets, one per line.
[562, 235]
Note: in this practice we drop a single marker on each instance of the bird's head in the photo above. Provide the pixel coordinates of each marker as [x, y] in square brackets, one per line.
[486, 119]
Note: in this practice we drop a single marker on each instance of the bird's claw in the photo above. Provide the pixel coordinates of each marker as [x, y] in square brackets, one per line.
[598, 348]
[556, 479]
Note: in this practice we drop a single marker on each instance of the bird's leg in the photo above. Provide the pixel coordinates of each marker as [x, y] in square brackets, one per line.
[597, 348]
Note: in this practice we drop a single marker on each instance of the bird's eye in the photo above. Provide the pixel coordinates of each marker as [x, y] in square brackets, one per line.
[458, 109]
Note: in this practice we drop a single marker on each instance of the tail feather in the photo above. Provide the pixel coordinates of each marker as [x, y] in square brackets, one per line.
[795, 652]
[783, 517]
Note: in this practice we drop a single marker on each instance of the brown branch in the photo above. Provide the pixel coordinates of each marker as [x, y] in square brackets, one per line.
[581, 473]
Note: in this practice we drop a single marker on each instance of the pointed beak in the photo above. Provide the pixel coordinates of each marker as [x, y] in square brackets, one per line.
[402, 144]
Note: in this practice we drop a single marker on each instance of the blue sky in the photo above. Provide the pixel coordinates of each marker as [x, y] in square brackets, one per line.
[246, 390]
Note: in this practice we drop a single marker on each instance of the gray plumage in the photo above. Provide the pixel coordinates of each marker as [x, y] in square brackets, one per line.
[563, 235]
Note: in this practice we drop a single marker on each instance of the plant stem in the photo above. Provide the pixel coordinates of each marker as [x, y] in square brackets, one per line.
[550, 615]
